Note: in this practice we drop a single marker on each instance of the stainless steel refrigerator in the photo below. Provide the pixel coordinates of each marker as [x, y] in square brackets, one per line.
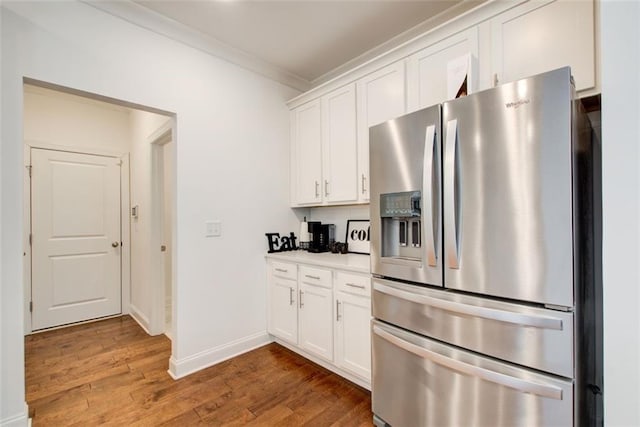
[484, 254]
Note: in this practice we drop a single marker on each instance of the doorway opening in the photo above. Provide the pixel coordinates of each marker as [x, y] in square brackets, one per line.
[91, 209]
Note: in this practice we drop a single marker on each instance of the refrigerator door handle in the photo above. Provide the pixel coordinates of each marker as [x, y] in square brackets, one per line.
[450, 226]
[522, 319]
[427, 186]
[544, 390]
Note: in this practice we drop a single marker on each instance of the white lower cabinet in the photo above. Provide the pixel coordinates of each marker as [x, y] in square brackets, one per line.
[325, 314]
[315, 313]
[283, 292]
[353, 340]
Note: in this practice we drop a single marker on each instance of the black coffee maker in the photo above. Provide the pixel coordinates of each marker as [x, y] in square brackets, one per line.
[321, 236]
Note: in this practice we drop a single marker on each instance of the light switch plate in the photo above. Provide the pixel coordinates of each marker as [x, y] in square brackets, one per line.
[213, 229]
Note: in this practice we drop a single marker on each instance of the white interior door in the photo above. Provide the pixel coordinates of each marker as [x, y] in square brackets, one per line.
[75, 201]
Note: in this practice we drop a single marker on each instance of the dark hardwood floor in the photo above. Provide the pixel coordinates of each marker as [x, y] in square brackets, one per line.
[112, 373]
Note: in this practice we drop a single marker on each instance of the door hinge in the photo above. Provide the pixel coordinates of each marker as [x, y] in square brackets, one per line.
[29, 168]
[30, 239]
[30, 306]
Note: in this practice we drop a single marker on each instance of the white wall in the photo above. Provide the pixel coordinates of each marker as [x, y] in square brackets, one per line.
[143, 125]
[620, 42]
[74, 122]
[231, 164]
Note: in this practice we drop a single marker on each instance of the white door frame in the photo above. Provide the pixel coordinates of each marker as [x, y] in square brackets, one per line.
[161, 136]
[125, 224]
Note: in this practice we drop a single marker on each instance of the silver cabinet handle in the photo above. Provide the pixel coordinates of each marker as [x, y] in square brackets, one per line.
[363, 184]
[353, 285]
[326, 187]
[317, 189]
[532, 320]
[115, 244]
[312, 277]
[495, 79]
[450, 227]
[300, 298]
[544, 390]
[282, 270]
[427, 194]
[290, 296]
[337, 311]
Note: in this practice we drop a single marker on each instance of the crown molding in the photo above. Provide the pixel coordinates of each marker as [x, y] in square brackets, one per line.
[160, 24]
[402, 46]
[397, 41]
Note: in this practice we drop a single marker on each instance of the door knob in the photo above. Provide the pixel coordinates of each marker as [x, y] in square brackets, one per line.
[115, 244]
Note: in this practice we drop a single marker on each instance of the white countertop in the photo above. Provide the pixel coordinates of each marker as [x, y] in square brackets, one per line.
[352, 262]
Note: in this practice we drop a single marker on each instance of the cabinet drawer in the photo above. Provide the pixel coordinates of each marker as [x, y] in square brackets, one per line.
[315, 276]
[284, 270]
[353, 284]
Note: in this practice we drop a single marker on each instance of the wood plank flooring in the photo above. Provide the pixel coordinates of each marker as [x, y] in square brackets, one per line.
[112, 373]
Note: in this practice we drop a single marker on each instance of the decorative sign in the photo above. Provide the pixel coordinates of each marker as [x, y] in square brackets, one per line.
[358, 236]
[281, 244]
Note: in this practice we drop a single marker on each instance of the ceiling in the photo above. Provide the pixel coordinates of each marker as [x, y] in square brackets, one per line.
[311, 41]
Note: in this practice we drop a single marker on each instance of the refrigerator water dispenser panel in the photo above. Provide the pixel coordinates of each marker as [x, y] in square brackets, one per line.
[401, 231]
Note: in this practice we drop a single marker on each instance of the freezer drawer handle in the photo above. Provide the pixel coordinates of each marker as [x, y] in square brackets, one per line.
[427, 185]
[472, 310]
[544, 390]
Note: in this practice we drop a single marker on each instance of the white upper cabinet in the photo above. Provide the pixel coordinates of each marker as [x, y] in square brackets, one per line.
[503, 41]
[381, 96]
[428, 70]
[339, 149]
[324, 150]
[540, 36]
[307, 153]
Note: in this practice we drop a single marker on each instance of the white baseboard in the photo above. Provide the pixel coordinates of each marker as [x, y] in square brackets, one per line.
[204, 359]
[137, 315]
[18, 420]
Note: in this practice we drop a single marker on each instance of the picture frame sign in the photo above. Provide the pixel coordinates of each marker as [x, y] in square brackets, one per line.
[358, 236]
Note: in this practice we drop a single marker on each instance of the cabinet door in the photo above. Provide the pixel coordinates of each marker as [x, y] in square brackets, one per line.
[381, 96]
[540, 36]
[283, 317]
[307, 159]
[427, 70]
[316, 312]
[353, 335]
[340, 146]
